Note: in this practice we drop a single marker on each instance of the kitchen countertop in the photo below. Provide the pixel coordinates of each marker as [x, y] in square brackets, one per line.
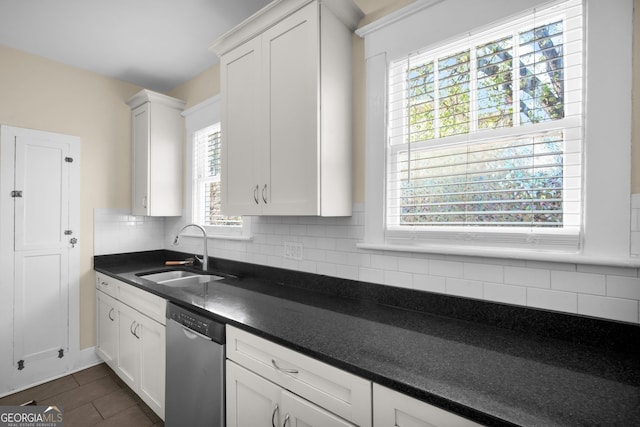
[492, 375]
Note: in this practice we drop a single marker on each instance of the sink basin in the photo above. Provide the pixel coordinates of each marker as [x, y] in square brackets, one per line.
[179, 278]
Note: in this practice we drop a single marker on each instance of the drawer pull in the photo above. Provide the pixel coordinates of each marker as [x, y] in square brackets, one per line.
[273, 415]
[103, 283]
[286, 371]
[111, 318]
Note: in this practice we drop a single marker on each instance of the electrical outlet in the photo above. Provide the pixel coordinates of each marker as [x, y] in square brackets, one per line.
[293, 250]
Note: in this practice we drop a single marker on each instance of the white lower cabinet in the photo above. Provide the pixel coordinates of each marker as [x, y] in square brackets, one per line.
[253, 401]
[391, 408]
[270, 385]
[107, 345]
[132, 342]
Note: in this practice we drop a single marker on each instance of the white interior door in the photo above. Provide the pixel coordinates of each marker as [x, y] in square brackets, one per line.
[39, 251]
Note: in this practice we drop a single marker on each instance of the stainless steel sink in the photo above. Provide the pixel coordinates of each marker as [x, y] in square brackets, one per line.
[179, 278]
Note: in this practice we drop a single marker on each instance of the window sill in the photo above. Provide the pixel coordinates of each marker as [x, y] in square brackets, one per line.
[519, 254]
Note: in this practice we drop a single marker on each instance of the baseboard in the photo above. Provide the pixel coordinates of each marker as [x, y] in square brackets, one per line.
[84, 359]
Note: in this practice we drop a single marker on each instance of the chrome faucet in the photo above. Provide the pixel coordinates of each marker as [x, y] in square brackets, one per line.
[205, 255]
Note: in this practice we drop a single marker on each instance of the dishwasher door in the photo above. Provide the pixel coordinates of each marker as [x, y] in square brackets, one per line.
[194, 394]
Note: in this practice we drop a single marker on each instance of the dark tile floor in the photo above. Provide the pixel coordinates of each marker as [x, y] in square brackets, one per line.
[92, 397]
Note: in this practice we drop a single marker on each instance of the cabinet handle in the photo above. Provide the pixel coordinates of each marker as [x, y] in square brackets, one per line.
[144, 202]
[286, 419]
[104, 283]
[111, 318]
[133, 330]
[264, 189]
[286, 371]
[273, 415]
[255, 194]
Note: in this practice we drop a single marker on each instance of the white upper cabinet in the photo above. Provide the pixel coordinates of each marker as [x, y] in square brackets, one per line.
[286, 117]
[157, 134]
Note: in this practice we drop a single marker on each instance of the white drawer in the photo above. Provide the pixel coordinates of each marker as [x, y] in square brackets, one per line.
[340, 392]
[391, 408]
[107, 284]
[145, 302]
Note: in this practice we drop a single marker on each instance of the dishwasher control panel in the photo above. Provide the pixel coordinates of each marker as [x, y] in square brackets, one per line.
[196, 322]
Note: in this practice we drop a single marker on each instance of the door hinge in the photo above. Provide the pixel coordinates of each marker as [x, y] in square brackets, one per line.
[68, 159]
[16, 193]
[20, 365]
[60, 354]
[68, 232]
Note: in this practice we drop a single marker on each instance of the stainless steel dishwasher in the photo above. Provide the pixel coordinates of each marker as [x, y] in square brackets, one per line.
[194, 394]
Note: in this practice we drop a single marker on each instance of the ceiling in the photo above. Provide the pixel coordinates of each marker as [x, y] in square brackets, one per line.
[156, 44]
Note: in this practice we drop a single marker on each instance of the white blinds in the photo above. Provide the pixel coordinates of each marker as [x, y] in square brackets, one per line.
[207, 179]
[486, 131]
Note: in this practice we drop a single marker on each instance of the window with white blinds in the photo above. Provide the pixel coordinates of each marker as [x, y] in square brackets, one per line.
[206, 188]
[485, 132]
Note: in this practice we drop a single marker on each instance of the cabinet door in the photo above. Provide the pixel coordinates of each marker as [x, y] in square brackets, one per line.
[140, 139]
[291, 61]
[251, 400]
[391, 408]
[128, 367]
[107, 315]
[297, 412]
[243, 121]
[152, 363]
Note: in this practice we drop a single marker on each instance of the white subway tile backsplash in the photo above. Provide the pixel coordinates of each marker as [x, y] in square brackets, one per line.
[586, 283]
[398, 278]
[413, 265]
[483, 272]
[623, 287]
[359, 260]
[372, 275]
[384, 262]
[611, 308]
[325, 243]
[423, 282]
[524, 276]
[505, 293]
[446, 268]
[330, 247]
[464, 288]
[552, 300]
[347, 272]
[326, 269]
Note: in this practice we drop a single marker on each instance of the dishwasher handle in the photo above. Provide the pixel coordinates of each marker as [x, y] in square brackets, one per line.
[192, 335]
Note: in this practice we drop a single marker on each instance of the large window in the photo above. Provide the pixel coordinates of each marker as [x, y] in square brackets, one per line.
[485, 131]
[500, 128]
[206, 179]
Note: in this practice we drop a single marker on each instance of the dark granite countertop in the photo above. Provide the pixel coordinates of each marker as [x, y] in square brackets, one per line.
[490, 374]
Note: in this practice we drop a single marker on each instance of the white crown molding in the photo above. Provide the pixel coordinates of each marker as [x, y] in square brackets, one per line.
[395, 16]
[345, 10]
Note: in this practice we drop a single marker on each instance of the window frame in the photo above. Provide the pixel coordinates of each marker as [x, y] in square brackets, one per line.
[605, 232]
[197, 118]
